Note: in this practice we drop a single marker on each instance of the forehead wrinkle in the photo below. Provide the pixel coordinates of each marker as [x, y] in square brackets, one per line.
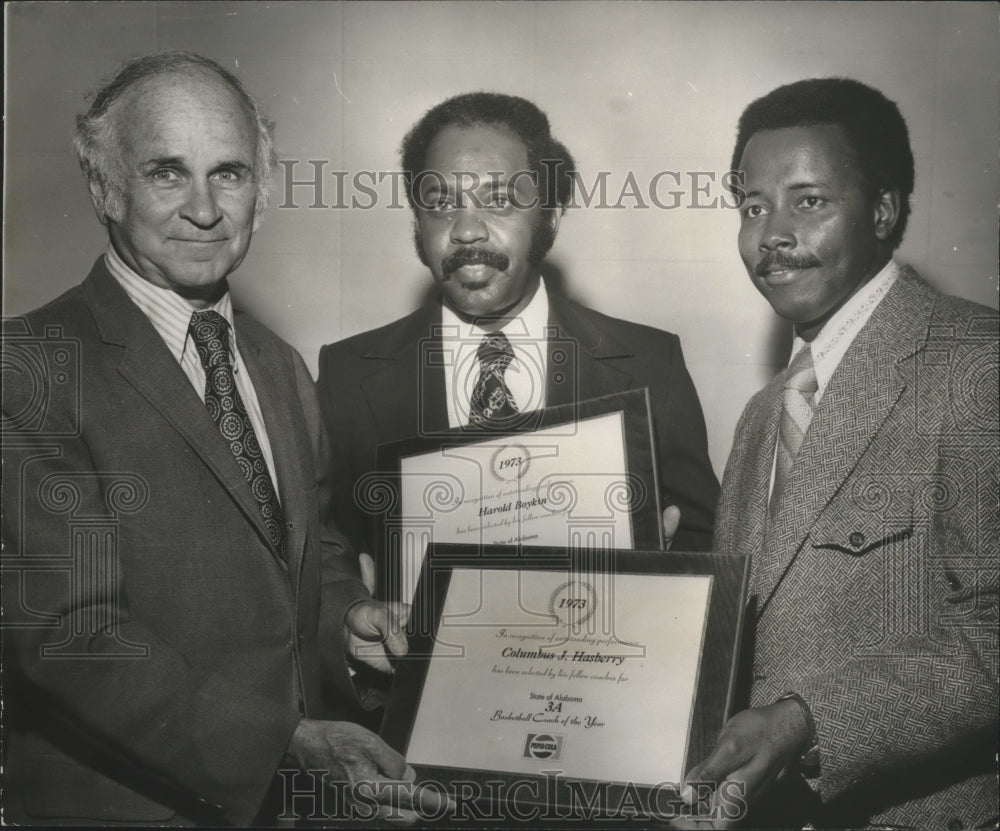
[145, 119]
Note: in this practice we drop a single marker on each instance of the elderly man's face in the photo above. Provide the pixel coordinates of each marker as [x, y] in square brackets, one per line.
[480, 228]
[809, 233]
[187, 153]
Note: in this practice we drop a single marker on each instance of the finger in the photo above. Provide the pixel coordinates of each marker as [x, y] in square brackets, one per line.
[371, 653]
[367, 564]
[671, 522]
[367, 619]
[402, 611]
[383, 799]
[395, 636]
[431, 802]
[711, 770]
[687, 791]
[750, 780]
[390, 763]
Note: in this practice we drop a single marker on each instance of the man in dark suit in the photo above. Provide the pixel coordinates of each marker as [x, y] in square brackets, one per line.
[175, 592]
[863, 484]
[488, 184]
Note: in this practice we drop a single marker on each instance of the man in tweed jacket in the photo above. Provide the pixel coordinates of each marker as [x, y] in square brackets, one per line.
[871, 642]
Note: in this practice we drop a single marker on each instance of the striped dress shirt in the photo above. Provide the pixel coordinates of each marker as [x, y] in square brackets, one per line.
[170, 315]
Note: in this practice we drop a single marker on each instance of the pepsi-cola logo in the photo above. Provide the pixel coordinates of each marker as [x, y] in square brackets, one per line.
[543, 746]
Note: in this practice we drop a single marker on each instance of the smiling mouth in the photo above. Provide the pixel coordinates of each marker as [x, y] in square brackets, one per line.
[781, 276]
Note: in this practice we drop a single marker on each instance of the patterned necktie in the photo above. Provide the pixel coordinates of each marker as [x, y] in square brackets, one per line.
[797, 412]
[210, 332]
[492, 404]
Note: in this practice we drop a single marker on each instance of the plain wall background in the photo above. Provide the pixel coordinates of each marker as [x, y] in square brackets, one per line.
[640, 87]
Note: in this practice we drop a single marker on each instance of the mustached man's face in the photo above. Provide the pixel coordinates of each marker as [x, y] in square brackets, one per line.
[810, 235]
[480, 227]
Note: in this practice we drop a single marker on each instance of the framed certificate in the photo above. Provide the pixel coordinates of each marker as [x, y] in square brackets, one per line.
[583, 475]
[603, 671]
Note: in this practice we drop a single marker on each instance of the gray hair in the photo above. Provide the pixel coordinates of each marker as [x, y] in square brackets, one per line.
[95, 138]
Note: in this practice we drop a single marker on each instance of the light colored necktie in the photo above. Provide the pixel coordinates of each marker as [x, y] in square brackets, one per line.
[210, 333]
[799, 402]
[492, 404]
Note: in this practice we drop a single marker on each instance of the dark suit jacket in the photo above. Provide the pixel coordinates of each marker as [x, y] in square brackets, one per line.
[876, 578]
[373, 389]
[158, 651]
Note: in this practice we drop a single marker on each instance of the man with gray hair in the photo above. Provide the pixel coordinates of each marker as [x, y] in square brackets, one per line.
[175, 592]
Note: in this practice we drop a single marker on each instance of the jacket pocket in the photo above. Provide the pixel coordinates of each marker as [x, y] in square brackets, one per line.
[866, 519]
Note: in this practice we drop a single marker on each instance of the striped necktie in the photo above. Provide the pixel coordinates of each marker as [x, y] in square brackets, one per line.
[799, 401]
[210, 333]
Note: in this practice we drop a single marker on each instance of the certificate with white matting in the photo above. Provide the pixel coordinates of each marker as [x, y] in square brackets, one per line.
[584, 475]
[607, 669]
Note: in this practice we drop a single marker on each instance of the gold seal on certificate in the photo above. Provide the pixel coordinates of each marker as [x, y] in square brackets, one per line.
[612, 669]
[573, 603]
[583, 475]
[510, 461]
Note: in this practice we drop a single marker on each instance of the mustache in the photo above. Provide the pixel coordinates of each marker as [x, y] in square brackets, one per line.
[780, 260]
[474, 256]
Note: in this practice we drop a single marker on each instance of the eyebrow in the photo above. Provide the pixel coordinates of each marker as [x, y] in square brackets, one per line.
[161, 161]
[793, 186]
[177, 161]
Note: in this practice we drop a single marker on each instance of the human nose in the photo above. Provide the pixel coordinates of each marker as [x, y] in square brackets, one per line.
[201, 207]
[777, 232]
[469, 227]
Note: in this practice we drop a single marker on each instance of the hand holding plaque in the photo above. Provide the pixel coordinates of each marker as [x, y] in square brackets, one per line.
[611, 668]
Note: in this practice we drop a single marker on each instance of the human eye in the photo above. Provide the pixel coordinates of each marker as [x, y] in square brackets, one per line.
[231, 176]
[752, 211]
[497, 200]
[165, 176]
[811, 202]
[440, 203]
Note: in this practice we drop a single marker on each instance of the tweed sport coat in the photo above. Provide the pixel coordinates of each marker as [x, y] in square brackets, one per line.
[158, 652]
[874, 581]
[373, 389]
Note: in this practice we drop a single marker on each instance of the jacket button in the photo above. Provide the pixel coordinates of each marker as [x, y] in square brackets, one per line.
[857, 539]
[955, 824]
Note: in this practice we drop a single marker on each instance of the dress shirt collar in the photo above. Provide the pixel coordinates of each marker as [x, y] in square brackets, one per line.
[529, 325]
[525, 377]
[169, 313]
[838, 333]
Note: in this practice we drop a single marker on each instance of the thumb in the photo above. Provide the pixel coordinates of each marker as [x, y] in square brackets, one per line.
[367, 564]
[394, 633]
[706, 775]
[671, 521]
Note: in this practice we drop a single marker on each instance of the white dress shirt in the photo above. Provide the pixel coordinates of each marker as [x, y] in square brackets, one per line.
[170, 315]
[525, 377]
[838, 333]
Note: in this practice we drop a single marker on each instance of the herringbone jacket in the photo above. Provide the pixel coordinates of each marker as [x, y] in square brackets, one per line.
[874, 580]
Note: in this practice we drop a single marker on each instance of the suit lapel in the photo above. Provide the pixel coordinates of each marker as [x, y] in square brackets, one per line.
[154, 373]
[406, 388]
[861, 395]
[578, 357]
[271, 375]
[747, 517]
